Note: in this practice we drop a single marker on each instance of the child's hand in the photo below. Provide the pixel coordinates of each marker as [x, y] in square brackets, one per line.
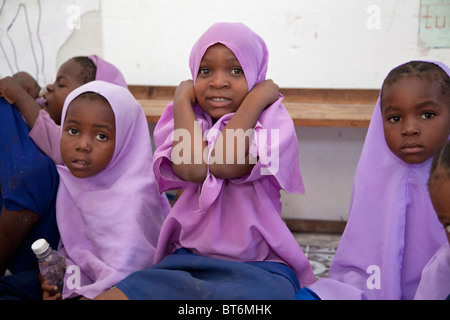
[185, 91]
[28, 83]
[48, 290]
[267, 91]
[11, 90]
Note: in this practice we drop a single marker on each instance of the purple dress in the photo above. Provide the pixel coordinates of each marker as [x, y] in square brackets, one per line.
[228, 223]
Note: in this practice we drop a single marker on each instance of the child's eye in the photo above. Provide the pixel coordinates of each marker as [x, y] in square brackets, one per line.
[72, 131]
[237, 71]
[394, 119]
[427, 115]
[203, 71]
[60, 84]
[101, 137]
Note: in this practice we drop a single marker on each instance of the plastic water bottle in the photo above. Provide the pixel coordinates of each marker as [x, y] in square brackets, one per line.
[51, 265]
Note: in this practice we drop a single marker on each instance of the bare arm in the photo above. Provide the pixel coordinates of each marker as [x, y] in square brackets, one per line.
[16, 95]
[185, 121]
[228, 145]
[28, 83]
[14, 228]
[232, 143]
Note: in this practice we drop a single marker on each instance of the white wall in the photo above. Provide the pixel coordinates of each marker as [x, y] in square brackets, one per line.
[312, 44]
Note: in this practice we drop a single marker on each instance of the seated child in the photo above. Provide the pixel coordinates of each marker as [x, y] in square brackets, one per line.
[435, 281]
[392, 229]
[108, 209]
[224, 238]
[28, 178]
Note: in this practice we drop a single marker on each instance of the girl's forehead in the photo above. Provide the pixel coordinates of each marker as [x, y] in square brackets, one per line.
[219, 50]
[88, 107]
[412, 87]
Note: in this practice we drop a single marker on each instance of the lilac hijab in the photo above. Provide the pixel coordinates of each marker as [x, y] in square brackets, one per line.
[248, 47]
[45, 132]
[392, 230]
[110, 222]
[107, 71]
[235, 219]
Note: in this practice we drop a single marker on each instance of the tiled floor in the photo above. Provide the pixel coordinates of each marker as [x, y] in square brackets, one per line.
[319, 248]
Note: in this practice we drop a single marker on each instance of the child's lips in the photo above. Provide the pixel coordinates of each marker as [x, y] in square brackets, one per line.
[410, 148]
[219, 101]
[79, 164]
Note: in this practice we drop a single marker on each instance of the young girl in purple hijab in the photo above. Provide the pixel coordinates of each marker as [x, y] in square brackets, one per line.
[29, 180]
[435, 281]
[108, 209]
[393, 230]
[224, 238]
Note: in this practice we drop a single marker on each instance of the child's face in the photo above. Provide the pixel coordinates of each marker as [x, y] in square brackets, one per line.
[66, 81]
[440, 195]
[416, 119]
[88, 137]
[221, 85]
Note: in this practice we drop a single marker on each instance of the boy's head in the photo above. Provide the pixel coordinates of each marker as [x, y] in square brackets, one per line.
[72, 74]
[439, 185]
[415, 107]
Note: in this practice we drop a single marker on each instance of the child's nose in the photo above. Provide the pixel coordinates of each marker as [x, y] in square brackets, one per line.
[219, 80]
[410, 128]
[50, 87]
[84, 144]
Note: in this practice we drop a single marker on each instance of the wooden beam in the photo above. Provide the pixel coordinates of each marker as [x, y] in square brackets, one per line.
[307, 107]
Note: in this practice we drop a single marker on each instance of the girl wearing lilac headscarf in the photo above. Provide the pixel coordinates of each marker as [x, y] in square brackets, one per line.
[108, 209]
[224, 238]
[28, 177]
[72, 74]
[393, 230]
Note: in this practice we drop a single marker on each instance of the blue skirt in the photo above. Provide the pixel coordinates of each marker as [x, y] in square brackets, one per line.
[184, 275]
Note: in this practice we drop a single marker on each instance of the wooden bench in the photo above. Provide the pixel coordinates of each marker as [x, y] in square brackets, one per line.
[307, 107]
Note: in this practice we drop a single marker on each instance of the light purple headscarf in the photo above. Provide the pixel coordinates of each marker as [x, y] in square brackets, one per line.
[45, 132]
[435, 280]
[110, 222]
[392, 230]
[107, 71]
[248, 47]
[235, 219]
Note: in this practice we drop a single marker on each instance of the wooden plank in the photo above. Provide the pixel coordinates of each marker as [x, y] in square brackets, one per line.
[307, 107]
[315, 226]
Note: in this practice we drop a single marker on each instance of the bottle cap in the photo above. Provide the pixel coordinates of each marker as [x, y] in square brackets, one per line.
[39, 246]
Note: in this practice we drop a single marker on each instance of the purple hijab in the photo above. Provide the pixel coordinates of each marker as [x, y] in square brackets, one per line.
[392, 229]
[110, 222]
[45, 132]
[435, 281]
[107, 71]
[234, 219]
